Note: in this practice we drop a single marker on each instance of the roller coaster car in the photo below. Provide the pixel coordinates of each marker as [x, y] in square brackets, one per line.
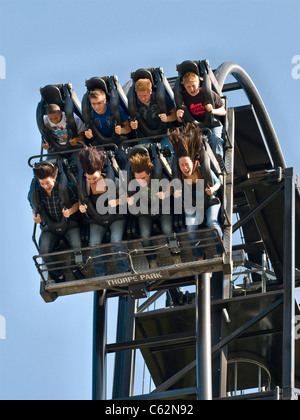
[161, 88]
[115, 96]
[64, 96]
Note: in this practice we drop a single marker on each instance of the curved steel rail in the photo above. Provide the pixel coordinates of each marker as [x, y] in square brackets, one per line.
[229, 68]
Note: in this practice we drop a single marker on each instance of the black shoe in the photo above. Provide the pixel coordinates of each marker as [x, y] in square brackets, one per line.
[60, 279]
[78, 275]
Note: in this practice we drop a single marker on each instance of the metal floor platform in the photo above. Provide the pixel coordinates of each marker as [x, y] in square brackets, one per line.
[172, 260]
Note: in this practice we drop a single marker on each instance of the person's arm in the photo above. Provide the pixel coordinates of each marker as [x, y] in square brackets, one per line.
[168, 118]
[88, 134]
[68, 212]
[162, 195]
[45, 145]
[77, 139]
[134, 124]
[73, 197]
[217, 184]
[125, 129]
[179, 114]
[36, 217]
[219, 112]
[219, 109]
[82, 208]
[130, 200]
[213, 189]
[116, 202]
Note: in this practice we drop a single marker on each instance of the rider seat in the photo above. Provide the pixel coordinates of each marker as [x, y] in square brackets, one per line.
[162, 89]
[201, 69]
[115, 96]
[63, 96]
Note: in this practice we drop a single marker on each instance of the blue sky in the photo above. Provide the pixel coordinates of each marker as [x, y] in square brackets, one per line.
[47, 352]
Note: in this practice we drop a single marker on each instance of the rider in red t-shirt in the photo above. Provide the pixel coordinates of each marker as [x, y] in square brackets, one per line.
[195, 101]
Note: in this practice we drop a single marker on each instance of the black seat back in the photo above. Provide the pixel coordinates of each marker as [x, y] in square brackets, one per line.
[34, 198]
[115, 96]
[63, 96]
[160, 86]
[199, 68]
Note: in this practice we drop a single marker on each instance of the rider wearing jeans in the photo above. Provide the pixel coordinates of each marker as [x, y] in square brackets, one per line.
[96, 185]
[142, 169]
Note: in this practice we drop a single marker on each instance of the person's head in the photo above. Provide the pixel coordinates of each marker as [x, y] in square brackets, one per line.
[187, 145]
[186, 165]
[54, 113]
[97, 99]
[46, 172]
[92, 162]
[143, 88]
[191, 82]
[141, 166]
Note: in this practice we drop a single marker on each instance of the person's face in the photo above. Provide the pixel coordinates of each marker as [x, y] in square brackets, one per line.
[94, 178]
[55, 118]
[99, 104]
[47, 184]
[186, 165]
[143, 178]
[144, 96]
[192, 87]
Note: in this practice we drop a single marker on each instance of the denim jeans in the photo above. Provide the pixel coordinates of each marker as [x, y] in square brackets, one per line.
[146, 224]
[121, 158]
[216, 142]
[192, 223]
[47, 242]
[164, 142]
[97, 233]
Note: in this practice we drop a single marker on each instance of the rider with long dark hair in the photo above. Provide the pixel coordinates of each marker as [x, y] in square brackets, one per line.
[187, 145]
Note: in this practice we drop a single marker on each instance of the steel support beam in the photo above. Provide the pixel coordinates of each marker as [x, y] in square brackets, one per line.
[99, 343]
[203, 343]
[124, 361]
[257, 209]
[288, 353]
